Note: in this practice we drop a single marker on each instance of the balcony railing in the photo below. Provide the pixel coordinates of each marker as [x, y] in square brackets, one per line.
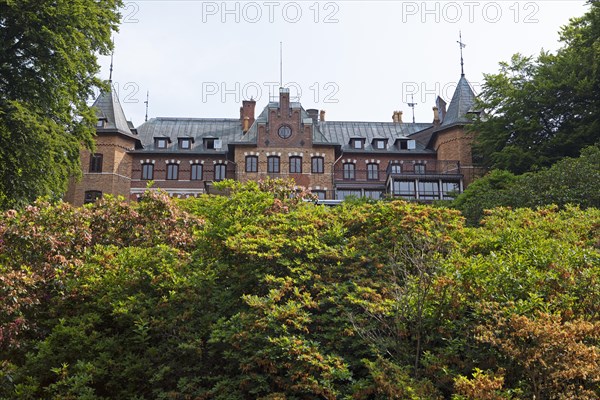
[431, 168]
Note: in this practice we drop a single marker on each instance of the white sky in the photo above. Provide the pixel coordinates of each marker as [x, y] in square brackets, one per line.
[358, 60]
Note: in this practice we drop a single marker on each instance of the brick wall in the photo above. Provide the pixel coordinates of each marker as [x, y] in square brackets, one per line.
[116, 170]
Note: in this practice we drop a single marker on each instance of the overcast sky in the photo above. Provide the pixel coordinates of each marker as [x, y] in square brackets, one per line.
[358, 60]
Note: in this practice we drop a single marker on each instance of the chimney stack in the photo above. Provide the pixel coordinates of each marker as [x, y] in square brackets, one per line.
[314, 114]
[441, 106]
[284, 99]
[400, 117]
[436, 116]
[395, 117]
[322, 116]
[247, 114]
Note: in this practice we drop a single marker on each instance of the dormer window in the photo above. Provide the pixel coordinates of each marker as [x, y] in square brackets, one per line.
[357, 143]
[380, 144]
[161, 143]
[406, 144]
[185, 143]
[100, 123]
[213, 143]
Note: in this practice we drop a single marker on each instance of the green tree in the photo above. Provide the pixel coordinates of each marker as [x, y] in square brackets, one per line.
[569, 181]
[542, 109]
[48, 70]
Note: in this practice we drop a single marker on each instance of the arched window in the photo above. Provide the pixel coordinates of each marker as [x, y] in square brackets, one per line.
[172, 172]
[251, 163]
[373, 172]
[220, 172]
[349, 171]
[196, 172]
[317, 165]
[273, 164]
[91, 196]
[395, 168]
[295, 165]
[147, 172]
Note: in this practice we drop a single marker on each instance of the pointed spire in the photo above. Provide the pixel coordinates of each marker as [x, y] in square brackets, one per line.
[462, 46]
[461, 104]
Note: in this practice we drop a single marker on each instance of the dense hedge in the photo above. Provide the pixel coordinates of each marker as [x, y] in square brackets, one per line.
[262, 295]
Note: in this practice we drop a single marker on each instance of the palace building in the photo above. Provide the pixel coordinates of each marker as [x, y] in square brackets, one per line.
[334, 159]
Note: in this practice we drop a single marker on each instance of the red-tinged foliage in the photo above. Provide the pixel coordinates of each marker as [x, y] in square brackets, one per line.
[43, 244]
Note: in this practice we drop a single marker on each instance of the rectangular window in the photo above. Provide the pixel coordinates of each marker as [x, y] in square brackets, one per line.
[419, 169]
[161, 143]
[343, 194]
[373, 172]
[147, 172]
[251, 163]
[374, 194]
[220, 172]
[196, 172]
[450, 190]
[96, 163]
[172, 172]
[295, 165]
[185, 144]
[273, 164]
[358, 143]
[349, 171]
[429, 190]
[405, 189]
[379, 144]
[317, 165]
[213, 144]
[320, 194]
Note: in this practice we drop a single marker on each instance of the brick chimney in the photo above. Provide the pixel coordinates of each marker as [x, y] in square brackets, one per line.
[247, 114]
[322, 116]
[400, 117]
[395, 117]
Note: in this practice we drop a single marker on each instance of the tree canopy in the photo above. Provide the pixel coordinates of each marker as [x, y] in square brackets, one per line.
[264, 295]
[541, 109]
[48, 70]
[570, 181]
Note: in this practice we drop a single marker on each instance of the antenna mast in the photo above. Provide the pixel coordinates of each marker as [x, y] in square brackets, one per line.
[462, 46]
[412, 105]
[146, 102]
[280, 64]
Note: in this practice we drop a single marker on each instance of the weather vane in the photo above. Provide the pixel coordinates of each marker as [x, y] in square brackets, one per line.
[462, 46]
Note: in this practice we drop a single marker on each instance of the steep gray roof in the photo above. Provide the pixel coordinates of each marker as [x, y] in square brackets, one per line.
[340, 132]
[461, 104]
[109, 108]
[225, 129]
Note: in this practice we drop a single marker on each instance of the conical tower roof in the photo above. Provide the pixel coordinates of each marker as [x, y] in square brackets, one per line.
[461, 104]
[109, 109]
